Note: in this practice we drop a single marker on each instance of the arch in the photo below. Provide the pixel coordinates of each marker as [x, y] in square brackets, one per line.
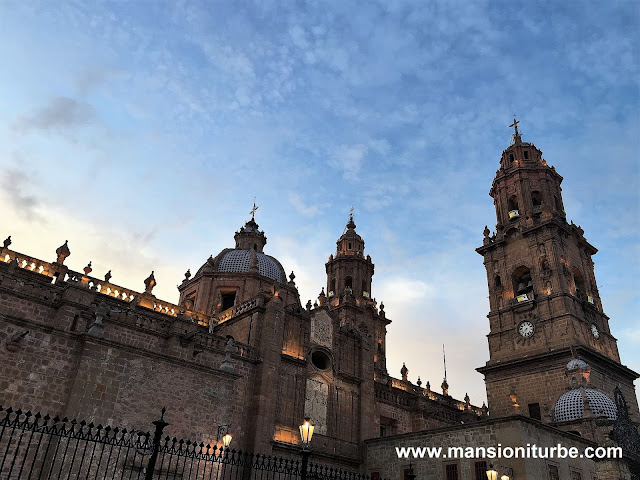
[497, 282]
[348, 282]
[522, 281]
[332, 287]
[536, 198]
[512, 207]
[579, 285]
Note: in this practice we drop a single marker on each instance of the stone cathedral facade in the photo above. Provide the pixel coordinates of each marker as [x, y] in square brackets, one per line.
[240, 352]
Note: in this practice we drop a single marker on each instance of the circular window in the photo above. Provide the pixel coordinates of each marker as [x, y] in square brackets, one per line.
[320, 360]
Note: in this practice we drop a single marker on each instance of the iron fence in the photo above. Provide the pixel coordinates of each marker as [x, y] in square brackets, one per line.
[33, 446]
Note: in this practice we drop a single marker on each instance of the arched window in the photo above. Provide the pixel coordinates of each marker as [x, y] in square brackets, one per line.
[536, 198]
[522, 283]
[348, 282]
[578, 283]
[498, 282]
[512, 206]
[332, 289]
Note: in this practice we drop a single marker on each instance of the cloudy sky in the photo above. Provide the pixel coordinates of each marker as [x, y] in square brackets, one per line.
[142, 130]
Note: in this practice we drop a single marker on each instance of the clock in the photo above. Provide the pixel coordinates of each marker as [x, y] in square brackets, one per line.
[526, 329]
[595, 331]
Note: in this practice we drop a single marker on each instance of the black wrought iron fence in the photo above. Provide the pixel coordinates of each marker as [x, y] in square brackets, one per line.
[33, 446]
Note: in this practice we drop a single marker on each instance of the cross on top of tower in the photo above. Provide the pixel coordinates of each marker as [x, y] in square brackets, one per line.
[516, 135]
[515, 124]
[254, 209]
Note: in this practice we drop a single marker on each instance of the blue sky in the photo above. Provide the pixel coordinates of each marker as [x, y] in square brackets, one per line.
[141, 132]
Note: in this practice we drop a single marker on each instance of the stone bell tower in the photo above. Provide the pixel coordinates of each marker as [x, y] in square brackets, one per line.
[349, 272]
[544, 304]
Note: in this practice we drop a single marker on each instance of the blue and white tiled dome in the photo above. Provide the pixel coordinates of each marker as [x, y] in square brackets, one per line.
[570, 405]
[240, 261]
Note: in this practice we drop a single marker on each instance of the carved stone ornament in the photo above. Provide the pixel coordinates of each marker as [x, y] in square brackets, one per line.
[63, 252]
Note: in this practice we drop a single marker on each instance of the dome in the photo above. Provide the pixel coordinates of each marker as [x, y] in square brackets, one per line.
[570, 405]
[576, 364]
[240, 261]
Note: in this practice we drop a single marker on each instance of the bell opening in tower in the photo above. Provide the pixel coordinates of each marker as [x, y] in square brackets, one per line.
[512, 205]
[522, 284]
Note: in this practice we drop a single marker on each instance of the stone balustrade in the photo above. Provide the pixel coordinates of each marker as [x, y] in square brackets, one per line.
[100, 286]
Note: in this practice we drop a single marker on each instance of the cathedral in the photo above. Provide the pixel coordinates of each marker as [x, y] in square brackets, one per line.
[240, 354]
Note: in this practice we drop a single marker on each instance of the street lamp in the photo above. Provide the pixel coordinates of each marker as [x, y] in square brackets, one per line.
[306, 432]
[508, 474]
[492, 474]
[224, 435]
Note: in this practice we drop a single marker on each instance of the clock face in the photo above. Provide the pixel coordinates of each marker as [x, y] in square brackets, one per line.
[595, 331]
[526, 329]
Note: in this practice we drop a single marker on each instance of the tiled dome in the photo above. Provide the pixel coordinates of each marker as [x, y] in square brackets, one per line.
[570, 405]
[240, 261]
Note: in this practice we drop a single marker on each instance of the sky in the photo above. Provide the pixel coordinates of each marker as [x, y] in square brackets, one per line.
[141, 131]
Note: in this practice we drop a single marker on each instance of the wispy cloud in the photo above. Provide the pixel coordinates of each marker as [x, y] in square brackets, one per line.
[58, 113]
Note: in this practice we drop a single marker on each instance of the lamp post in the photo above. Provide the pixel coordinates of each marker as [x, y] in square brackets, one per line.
[492, 474]
[306, 432]
[224, 435]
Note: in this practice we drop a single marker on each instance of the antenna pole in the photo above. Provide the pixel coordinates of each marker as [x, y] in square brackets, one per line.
[444, 357]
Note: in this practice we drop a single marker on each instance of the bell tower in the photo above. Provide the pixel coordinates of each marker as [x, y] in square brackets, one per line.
[349, 272]
[544, 305]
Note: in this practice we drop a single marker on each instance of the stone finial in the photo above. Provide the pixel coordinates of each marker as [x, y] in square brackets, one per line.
[428, 386]
[149, 283]
[63, 252]
[227, 365]
[445, 387]
[187, 275]
[292, 278]
[486, 231]
[97, 328]
[87, 270]
[467, 400]
[322, 298]
[382, 312]
[107, 276]
[419, 382]
[404, 371]
[7, 242]
[308, 305]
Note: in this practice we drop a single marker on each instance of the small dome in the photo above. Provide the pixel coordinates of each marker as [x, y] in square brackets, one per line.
[576, 364]
[240, 261]
[570, 405]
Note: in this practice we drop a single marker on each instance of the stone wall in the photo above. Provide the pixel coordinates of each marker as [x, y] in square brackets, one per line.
[381, 454]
